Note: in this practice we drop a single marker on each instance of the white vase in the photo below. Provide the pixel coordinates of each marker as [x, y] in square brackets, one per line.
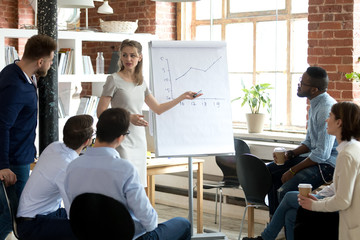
[255, 122]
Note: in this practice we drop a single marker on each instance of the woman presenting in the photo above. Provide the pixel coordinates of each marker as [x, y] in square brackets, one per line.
[127, 89]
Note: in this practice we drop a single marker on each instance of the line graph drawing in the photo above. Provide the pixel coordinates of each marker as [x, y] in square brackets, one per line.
[199, 69]
[181, 66]
[169, 79]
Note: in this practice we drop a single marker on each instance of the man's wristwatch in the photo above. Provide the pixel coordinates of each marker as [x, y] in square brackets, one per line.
[290, 154]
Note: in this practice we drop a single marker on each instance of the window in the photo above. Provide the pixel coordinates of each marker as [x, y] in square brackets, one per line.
[266, 42]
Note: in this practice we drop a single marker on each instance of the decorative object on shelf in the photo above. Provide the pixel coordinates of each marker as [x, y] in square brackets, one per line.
[105, 8]
[256, 96]
[68, 18]
[27, 26]
[175, 0]
[114, 67]
[77, 4]
[100, 63]
[118, 26]
[33, 4]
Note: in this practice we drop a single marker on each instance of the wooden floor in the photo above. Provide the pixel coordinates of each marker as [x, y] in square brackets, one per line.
[230, 226]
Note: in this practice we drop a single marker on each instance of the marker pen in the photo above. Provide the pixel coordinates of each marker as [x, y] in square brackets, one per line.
[197, 93]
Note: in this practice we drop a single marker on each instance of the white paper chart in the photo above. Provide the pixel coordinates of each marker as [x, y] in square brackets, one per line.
[202, 126]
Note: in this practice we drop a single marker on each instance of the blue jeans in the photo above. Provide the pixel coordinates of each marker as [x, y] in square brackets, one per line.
[14, 192]
[308, 175]
[285, 215]
[174, 229]
[55, 226]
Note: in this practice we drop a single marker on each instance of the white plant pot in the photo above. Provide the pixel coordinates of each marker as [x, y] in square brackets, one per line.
[255, 122]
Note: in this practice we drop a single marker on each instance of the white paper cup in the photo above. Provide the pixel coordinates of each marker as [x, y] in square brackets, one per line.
[279, 155]
[305, 189]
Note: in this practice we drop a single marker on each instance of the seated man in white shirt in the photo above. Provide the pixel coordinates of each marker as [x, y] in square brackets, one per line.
[102, 166]
[39, 214]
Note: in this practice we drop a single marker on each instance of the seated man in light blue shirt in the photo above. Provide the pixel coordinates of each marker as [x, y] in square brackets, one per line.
[102, 166]
[317, 165]
[40, 215]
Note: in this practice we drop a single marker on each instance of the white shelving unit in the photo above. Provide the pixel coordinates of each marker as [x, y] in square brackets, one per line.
[70, 84]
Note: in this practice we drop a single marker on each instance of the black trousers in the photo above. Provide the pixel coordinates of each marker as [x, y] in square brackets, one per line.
[316, 225]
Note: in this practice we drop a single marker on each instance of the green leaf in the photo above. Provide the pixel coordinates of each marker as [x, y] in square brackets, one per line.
[256, 96]
[353, 76]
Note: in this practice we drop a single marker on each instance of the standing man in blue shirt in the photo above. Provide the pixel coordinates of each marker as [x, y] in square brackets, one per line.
[314, 160]
[18, 118]
[102, 166]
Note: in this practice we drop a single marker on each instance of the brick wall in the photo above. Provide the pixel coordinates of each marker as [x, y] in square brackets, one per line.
[8, 14]
[150, 16]
[9, 18]
[333, 37]
[26, 12]
[334, 33]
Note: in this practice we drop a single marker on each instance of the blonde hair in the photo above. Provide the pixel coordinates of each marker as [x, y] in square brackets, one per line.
[138, 69]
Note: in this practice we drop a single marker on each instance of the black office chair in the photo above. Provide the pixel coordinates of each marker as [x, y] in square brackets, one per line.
[95, 216]
[255, 180]
[227, 164]
[12, 209]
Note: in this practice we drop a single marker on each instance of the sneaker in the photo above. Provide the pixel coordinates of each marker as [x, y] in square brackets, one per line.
[256, 238]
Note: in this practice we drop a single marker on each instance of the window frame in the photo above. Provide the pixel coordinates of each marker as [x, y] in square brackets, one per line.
[253, 17]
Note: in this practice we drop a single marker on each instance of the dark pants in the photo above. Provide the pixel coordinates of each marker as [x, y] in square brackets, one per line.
[308, 175]
[316, 225]
[174, 229]
[54, 226]
[13, 192]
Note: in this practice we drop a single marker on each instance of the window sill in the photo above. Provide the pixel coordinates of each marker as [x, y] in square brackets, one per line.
[270, 136]
[263, 144]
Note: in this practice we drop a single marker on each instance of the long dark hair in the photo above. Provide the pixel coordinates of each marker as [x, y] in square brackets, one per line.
[349, 113]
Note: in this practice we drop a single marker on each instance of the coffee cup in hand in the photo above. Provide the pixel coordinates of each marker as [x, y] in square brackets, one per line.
[279, 155]
[305, 189]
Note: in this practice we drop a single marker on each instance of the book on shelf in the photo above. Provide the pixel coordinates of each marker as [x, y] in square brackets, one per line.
[90, 65]
[88, 105]
[62, 59]
[61, 111]
[84, 102]
[10, 54]
[94, 100]
[70, 63]
[87, 65]
[66, 61]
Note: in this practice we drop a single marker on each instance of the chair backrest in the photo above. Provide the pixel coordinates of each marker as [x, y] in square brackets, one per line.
[254, 178]
[227, 163]
[96, 216]
[12, 209]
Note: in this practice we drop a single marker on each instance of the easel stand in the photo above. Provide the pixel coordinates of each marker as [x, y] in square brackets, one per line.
[217, 235]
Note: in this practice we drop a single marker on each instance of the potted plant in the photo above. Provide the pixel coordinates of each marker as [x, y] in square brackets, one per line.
[256, 96]
[353, 76]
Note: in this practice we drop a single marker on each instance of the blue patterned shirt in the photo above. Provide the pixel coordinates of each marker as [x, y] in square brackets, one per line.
[322, 145]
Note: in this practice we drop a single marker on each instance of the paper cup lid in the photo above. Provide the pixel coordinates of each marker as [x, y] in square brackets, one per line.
[279, 149]
[305, 185]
